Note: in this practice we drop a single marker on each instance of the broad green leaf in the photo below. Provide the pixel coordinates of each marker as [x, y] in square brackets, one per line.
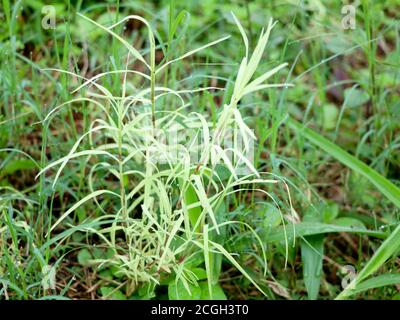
[15, 165]
[272, 216]
[84, 256]
[355, 97]
[218, 293]
[177, 291]
[200, 273]
[112, 294]
[146, 292]
[337, 44]
[330, 211]
[106, 274]
[330, 114]
[312, 252]
[189, 198]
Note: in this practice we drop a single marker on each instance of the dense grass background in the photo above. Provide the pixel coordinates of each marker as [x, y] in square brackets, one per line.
[346, 89]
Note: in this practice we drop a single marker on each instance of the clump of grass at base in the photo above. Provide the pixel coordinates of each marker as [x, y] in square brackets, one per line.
[165, 217]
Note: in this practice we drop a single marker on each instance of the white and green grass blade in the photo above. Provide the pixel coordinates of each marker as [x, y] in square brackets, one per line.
[207, 258]
[192, 52]
[131, 49]
[80, 202]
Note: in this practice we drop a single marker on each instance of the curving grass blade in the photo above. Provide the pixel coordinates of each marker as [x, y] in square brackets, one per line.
[385, 251]
[382, 280]
[391, 191]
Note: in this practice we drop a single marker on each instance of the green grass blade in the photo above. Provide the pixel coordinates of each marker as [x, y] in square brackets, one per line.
[382, 280]
[391, 191]
[385, 251]
[313, 228]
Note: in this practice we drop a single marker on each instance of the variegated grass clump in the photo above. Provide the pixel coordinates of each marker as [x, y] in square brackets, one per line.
[162, 216]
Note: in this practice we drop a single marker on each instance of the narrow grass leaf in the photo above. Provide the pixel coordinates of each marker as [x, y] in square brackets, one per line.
[391, 191]
[79, 203]
[384, 252]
